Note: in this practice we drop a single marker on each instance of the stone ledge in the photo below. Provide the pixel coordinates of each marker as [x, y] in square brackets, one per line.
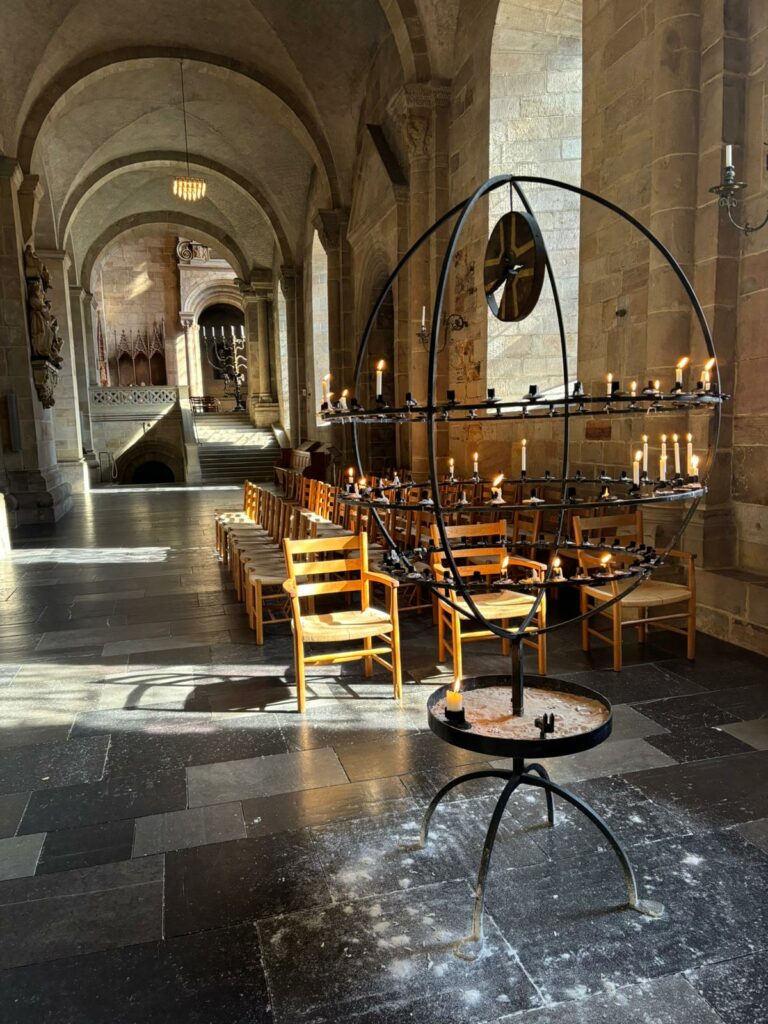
[733, 605]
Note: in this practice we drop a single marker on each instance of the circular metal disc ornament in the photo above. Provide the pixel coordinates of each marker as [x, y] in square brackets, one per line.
[514, 262]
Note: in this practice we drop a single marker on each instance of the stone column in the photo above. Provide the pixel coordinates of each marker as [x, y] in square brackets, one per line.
[35, 489]
[257, 294]
[66, 416]
[79, 300]
[291, 284]
[192, 368]
[262, 326]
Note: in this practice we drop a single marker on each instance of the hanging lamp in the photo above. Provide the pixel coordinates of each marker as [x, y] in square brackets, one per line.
[186, 186]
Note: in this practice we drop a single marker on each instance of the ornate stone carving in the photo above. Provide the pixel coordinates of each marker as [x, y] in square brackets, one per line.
[45, 341]
[187, 250]
[46, 378]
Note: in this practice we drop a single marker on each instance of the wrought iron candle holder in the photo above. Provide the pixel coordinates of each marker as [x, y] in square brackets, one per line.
[507, 716]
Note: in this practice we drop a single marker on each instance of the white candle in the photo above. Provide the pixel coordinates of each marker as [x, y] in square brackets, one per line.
[657, 385]
[633, 389]
[557, 569]
[609, 384]
[454, 701]
[645, 453]
[496, 485]
[707, 373]
[524, 456]
[343, 399]
[662, 467]
[636, 469]
[689, 453]
[475, 463]
[379, 376]
[676, 442]
[695, 466]
[451, 465]
[679, 370]
[664, 445]
[351, 474]
[423, 317]
[324, 383]
[729, 155]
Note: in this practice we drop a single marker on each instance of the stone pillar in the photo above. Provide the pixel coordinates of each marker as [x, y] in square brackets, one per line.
[291, 284]
[192, 366]
[79, 300]
[262, 327]
[257, 294]
[66, 416]
[35, 489]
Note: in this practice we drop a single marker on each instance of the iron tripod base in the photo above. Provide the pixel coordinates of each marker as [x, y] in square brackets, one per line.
[531, 775]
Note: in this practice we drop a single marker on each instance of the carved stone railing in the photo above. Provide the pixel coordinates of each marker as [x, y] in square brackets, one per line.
[137, 396]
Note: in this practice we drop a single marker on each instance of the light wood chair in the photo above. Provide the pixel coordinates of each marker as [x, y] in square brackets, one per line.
[650, 594]
[346, 559]
[484, 554]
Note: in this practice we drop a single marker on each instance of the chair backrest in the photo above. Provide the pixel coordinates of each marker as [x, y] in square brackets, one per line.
[345, 558]
[485, 550]
[526, 525]
[627, 527]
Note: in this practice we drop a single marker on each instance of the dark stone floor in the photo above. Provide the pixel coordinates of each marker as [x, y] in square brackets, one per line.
[176, 844]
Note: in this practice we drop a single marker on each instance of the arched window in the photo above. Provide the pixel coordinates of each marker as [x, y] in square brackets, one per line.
[320, 354]
[536, 85]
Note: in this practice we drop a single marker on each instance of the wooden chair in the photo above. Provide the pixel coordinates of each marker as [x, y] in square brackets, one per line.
[346, 558]
[454, 626]
[652, 593]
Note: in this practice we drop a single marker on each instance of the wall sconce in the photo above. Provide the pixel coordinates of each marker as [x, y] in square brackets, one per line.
[451, 322]
[726, 193]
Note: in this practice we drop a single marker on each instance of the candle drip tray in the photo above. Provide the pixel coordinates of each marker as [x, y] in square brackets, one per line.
[558, 718]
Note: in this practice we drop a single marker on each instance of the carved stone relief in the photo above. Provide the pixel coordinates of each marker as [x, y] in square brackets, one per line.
[45, 341]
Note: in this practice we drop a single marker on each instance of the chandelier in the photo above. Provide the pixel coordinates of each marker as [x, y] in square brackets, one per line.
[185, 186]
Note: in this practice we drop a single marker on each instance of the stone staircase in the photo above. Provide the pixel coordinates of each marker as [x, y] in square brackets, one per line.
[232, 450]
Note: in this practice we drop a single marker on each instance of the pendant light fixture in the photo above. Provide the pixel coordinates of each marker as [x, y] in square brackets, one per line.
[185, 186]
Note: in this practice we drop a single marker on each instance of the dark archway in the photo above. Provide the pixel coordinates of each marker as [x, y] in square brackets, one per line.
[221, 321]
[153, 472]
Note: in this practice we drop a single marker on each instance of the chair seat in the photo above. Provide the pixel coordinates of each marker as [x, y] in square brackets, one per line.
[349, 624]
[499, 604]
[648, 594]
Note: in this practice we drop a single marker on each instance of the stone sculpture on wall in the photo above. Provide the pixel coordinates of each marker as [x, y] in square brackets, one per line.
[45, 341]
[187, 251]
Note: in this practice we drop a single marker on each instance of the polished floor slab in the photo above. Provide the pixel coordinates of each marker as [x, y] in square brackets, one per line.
[177, 843]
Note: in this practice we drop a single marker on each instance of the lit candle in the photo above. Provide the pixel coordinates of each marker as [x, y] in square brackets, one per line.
[729, 155]
[557, 568]
[695, 467]
[645, 453]
[324, 383]
[475, 464]
[496, 488]
[707, 373]
[662, 466]
[633, 389]
[689, 453]
[524, 456]
[657, 385]
[451, 466]
[343, 399]
[609, 385]
[454, 700]
[423, 317]
[605, 562]
[664, 445]
[676, 442]
[351, 474]
[505, 566]
[679, 371]
[636, 469]
[379, 375]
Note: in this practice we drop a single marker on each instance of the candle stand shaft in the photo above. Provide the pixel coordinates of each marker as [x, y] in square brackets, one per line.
[518, 679]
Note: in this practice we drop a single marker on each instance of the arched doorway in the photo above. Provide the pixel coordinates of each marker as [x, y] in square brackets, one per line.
[153, 472]
[219, 325]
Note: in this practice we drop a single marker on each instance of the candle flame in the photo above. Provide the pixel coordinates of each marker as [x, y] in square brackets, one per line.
[694, 462]
[609, 378]
[556, 563]
[345, 392]
[606, 558]
[663, 438]
[380, 365]
[638, 456]
[633, 385]
[505, 563]
[497, 480]
[645, 439]
[456, 685]
[683, 363]
[710, 363]
[656, 385]
[675, 438]
[523, 442]
[351, 471]
[327, 377]
[689, 437]
[362, 481]
[475, 457]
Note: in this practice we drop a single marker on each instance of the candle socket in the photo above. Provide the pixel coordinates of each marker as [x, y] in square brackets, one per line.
[615, 387]
[451, 396]
[456, 717]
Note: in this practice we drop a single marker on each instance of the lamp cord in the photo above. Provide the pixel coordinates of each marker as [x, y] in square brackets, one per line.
[184, 115]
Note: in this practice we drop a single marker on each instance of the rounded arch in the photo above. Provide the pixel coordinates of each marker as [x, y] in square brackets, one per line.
[407, 30]
[100, 64]
[208, 233]
[113, 168]
[209, 294]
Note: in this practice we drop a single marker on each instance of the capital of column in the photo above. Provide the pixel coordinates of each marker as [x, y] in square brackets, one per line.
[55, 254]
[186, 320]
[79, 293]
[258, 285]
[331, 226]
[10, 168]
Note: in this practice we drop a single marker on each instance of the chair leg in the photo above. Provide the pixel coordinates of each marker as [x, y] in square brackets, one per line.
[440, 635]
[691, 652]
[258, 611]
[584, 607]
[301, 697]
[642, 629]
[368, 670]
[397, 672]
[458, 664]
[616, 632]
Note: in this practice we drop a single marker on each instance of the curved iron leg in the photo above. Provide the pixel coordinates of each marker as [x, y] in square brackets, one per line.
[485, 861]
[542, 771]
[497, 773]
[647, 907]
